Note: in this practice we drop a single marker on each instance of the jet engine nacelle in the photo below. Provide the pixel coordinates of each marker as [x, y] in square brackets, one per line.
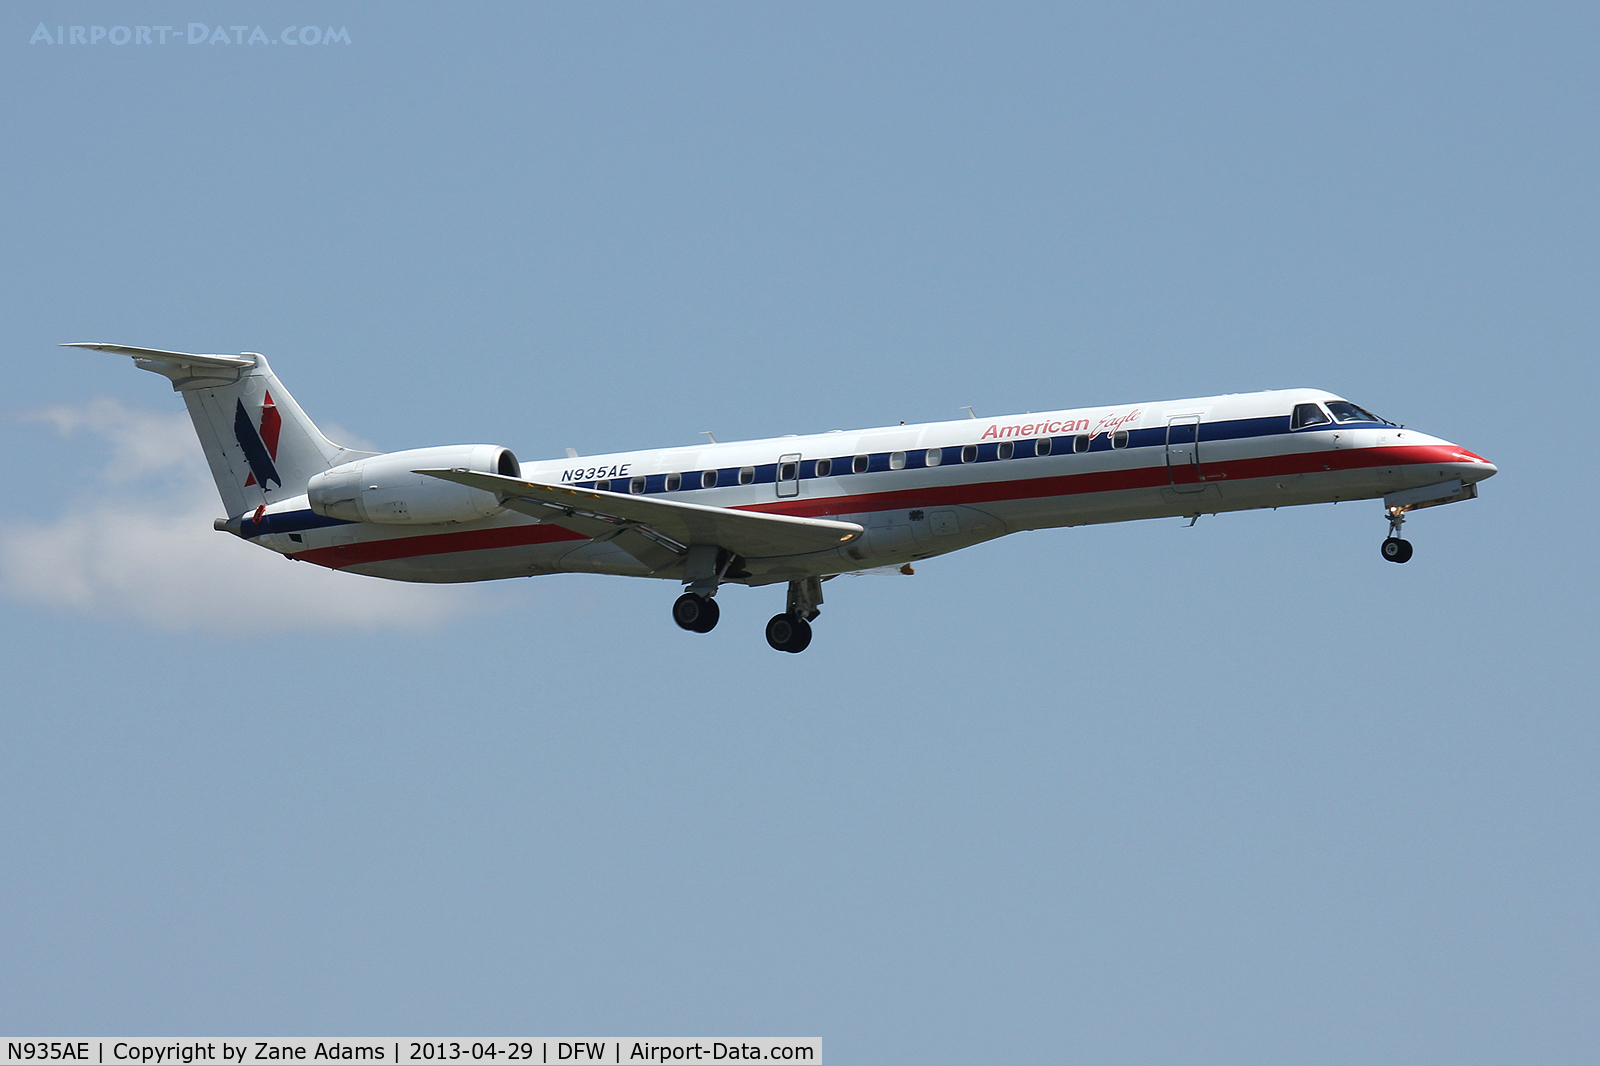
[383, 489]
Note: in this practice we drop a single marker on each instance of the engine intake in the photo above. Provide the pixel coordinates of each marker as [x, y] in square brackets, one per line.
[383, 489]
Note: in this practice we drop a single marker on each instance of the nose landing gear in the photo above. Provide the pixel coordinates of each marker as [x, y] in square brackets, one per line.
[1394, 548]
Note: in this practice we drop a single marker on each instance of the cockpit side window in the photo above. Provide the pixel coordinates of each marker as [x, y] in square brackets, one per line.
[1345, 411]
[1308, 414]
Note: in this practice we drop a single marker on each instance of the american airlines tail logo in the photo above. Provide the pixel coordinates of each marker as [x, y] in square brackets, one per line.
[260, 448]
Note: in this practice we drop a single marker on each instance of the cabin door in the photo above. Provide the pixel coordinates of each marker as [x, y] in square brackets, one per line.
[789, 475]
[1183, 453]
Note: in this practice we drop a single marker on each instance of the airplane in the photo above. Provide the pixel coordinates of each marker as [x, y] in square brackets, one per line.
[794, 510]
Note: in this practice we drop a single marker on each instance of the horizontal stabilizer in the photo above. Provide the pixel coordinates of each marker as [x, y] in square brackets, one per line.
[231, 362]
[748, 533]
[259, 444]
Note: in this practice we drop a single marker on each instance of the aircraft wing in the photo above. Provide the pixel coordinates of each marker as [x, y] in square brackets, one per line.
[748, 533]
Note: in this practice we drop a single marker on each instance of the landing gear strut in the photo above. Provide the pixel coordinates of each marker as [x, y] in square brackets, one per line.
[791, 630]
[703, 570]
[1394, 548]
[697, 614]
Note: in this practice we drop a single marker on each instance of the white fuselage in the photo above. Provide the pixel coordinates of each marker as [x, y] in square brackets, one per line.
[924, 490]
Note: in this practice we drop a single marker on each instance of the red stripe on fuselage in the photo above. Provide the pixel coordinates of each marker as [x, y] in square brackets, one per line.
[377, 551]
[979, 492]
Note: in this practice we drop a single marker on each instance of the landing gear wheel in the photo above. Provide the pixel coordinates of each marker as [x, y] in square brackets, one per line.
[787, 632]
[1396, 550]
[696, 613]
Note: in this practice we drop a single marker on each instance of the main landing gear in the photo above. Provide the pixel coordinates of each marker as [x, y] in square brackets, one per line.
[1394, 548]
[697, 614]
[789, 631]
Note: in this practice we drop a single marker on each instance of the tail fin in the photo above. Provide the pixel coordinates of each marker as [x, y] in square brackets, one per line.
[260, 445]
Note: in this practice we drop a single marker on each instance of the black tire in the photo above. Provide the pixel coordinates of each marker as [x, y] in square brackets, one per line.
[786, 632]
[1396, 550]
[695, 613]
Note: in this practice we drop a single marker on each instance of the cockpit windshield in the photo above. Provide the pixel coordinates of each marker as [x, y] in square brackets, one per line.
[1307, 414]
[1345, 411]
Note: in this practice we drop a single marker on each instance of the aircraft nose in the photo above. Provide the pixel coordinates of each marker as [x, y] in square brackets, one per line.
[1480, 468]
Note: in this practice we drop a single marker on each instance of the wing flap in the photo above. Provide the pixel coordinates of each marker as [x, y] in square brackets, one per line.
[748, 533]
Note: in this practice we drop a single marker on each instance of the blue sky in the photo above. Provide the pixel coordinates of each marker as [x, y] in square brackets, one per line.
[1235, 793]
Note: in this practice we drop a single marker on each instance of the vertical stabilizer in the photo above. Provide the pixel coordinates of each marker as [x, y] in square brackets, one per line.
[260, 445]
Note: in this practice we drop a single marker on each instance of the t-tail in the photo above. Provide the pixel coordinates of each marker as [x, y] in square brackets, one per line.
[260, 445]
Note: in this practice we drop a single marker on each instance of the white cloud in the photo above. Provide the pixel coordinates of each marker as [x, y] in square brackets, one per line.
[143, 441]
[346, 439]
[142, 546]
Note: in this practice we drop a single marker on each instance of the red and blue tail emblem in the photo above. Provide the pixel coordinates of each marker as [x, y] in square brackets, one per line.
[260, 447]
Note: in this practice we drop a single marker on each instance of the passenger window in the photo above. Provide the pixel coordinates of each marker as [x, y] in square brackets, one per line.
[636, 486]
[1119, 439]
[788, 472]
[1043, 445]
[897, 460]
[824, 467]
[708, 479]
[969, 453]
[674, 482]
[935, 456]
[747, 475]
[1307, 414]
[1006, 450]
[603, 486]
[1080, 443]
[859, 464]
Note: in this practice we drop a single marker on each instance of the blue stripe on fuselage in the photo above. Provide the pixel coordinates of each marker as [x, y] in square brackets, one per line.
[288, 522]
[988, 452]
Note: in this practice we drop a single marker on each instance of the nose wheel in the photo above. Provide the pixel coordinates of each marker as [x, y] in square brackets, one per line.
[1395, 549]
[697, 614]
